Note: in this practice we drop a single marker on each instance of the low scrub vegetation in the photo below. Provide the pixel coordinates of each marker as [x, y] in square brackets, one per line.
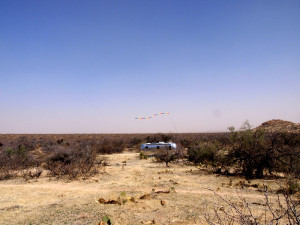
[72, 161]
[16, 159]
[204, 153]
[253, 153]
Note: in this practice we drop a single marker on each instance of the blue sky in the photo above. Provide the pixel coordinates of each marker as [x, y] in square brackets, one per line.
[92, 66]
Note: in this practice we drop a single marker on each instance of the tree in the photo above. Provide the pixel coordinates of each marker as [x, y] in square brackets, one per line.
[258, 150]
[166, 155]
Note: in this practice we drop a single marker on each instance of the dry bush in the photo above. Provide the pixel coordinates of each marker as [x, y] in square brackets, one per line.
[185, 143]
[285, 210]
[290, 187]
[212, 155]
[15, 159]
[206, 153]
[166, 156]
[109, 146]
[72, 162]
[135, 142]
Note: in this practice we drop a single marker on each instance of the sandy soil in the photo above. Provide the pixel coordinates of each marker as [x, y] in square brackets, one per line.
[51, 201]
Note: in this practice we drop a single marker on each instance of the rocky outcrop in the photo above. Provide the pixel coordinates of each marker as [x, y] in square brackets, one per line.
[282, 126]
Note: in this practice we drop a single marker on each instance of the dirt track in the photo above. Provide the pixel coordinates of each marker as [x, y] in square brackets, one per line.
[51, 201]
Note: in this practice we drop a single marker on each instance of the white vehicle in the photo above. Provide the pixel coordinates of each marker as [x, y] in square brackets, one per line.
[159, 145]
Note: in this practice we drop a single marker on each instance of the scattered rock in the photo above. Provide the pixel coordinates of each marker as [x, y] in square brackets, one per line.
[162, 202]
[112, 201]
[173, 182]
[45, 173]
[231, 171]
[146, 196]
[119, 201]
[154, 194]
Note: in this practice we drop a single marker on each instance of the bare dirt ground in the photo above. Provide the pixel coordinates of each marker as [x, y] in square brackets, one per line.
[51, 201]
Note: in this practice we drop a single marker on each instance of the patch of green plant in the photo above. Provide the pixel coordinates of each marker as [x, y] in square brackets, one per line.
[9, 152]
[107, 220]
[143, 156]
[123, 198]
[203, 153]
[172, 189]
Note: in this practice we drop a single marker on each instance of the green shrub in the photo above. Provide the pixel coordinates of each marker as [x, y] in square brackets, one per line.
[256, 151]
[107, 220]
[205, 153]
[143, 156]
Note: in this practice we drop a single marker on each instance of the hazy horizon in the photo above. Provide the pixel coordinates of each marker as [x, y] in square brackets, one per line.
[92, 67]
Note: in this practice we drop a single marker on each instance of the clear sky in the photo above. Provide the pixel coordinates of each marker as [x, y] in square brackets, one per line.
[93, 66]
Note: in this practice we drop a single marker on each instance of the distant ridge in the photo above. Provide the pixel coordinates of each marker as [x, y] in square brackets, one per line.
[282, 126]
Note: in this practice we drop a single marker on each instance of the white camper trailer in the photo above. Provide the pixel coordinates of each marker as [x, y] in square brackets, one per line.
[159, 145]
[152, 149]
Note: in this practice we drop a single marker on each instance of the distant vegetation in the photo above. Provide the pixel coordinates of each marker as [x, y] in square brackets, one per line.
[252, 153]
[75, 155]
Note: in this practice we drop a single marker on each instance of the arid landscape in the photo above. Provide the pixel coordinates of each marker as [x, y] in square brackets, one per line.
[135, 112]
[51, 201]
[122, 188]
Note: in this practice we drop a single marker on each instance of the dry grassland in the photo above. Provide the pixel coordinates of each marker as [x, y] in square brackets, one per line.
[50, 201]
